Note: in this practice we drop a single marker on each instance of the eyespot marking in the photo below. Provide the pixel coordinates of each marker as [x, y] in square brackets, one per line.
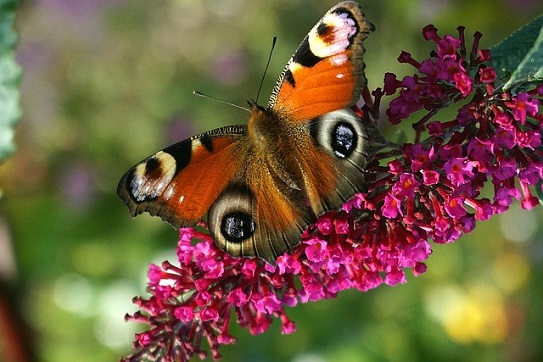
[344, 139]
[237, 226]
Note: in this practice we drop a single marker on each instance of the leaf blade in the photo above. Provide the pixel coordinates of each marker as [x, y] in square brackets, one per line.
[518, 59]
[10, 78]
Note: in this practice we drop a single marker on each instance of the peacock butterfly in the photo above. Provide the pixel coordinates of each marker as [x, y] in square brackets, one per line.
[304, 154]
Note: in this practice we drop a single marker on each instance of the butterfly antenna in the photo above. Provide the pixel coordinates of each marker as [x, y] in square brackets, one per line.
[266, 69]
[200, 94]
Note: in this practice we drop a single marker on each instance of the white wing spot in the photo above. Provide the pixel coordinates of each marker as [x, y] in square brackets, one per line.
[339, 59]
[170, 191]
[149, 184]
[343, 29]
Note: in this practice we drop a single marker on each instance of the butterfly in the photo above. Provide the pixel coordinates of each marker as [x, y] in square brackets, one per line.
[263, 183]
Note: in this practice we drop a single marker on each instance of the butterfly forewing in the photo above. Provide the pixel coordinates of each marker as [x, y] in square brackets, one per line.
[326, 73]
[181, 182]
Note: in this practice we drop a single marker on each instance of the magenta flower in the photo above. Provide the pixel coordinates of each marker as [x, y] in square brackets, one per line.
[428, 190]
[523, 105]
[392, 207]
[458, 170]
[462, 82]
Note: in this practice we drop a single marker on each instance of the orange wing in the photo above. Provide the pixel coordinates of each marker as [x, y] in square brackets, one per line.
[326, 73]
[182, 181]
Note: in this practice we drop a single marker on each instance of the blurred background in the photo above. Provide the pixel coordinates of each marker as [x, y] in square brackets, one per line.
[108, 82]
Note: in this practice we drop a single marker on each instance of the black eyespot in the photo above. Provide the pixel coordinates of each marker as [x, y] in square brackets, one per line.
[237, 226]
[344, 139]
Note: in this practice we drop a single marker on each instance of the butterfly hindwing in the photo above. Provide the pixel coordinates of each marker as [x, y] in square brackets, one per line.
[326, 72]
[257, 220]
[341, 137]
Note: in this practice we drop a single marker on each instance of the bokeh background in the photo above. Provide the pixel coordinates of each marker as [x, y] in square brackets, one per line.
[108, 82]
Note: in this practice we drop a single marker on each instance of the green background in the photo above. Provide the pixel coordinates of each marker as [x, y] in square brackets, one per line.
[108, 82]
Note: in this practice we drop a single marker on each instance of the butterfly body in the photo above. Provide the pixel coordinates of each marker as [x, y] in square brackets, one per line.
[302, 155]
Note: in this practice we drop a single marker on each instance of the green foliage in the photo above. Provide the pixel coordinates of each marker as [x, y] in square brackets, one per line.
[518, 59]
[10, 74]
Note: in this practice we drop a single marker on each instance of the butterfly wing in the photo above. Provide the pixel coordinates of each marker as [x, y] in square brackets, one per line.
[321, 80]
[182, 181]
[326, 73]
[254, 217]
[341, 148]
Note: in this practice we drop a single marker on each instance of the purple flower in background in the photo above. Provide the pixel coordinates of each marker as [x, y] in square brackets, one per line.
[230, 68]
[77, 186]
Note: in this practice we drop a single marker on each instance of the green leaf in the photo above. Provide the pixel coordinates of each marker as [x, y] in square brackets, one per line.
[539, 191]
[518, 60]
[10, 76]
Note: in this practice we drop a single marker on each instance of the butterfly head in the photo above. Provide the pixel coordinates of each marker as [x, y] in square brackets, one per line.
[263, 127]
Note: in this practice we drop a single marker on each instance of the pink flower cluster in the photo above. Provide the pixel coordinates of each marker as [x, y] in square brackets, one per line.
[429, 191]
[494, 139]
[194, 301]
